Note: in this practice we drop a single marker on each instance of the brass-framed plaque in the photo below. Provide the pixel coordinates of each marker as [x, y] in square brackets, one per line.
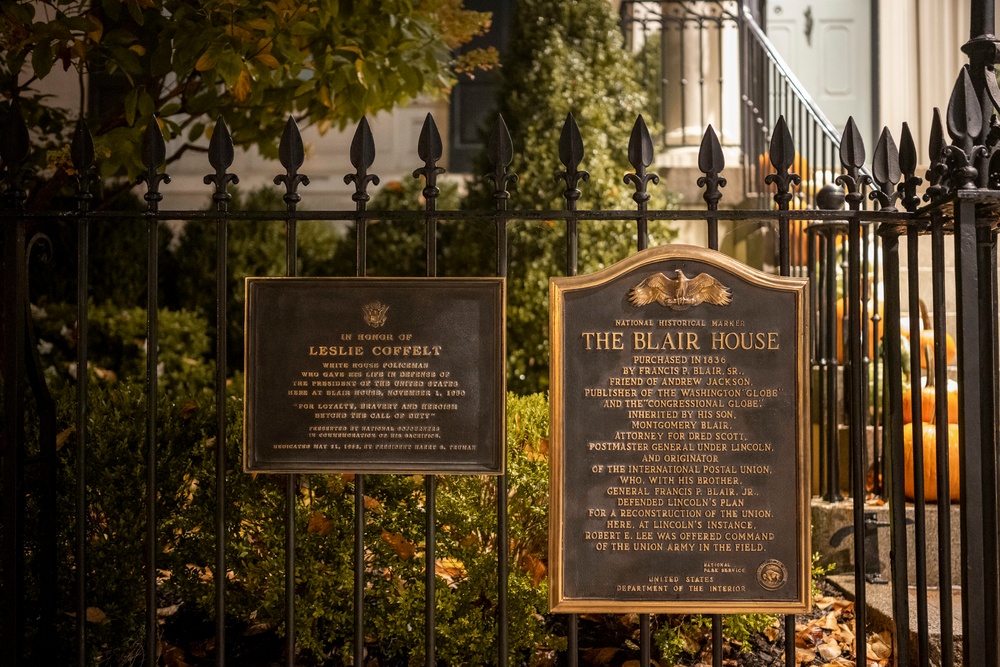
[679, 457]
[402, 375]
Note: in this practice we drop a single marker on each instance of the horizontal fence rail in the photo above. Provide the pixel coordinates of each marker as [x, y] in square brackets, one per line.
[841, 247]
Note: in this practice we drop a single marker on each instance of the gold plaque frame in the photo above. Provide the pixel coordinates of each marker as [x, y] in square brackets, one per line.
[800, 597]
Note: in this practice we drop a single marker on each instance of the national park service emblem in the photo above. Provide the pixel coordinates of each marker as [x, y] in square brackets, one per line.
[772, 574]
[679, 293]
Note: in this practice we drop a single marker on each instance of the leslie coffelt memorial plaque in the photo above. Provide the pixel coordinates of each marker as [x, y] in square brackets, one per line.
[374, 375]
[679, 422]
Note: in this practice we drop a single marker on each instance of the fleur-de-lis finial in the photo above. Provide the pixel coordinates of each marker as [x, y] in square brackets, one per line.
[852, 159]
[500, 152]
[907, 187]
[886, 170]
[782, 155]
[937, 173]
[430, 150]
[362, 157]
[965, 122]
[220, 155]
[640, 156]
[711, 162]
[291, 154]
[570, 154]
[154, 152]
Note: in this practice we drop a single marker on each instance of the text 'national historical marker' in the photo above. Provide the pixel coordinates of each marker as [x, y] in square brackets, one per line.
[679, 421]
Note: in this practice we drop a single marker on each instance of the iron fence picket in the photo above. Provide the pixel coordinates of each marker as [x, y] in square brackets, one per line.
[942, 438]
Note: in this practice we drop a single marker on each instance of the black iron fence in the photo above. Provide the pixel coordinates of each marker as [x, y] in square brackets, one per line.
[962, 204]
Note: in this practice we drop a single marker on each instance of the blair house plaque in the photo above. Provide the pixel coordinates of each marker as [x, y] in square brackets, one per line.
[678, 439]
[401, 375]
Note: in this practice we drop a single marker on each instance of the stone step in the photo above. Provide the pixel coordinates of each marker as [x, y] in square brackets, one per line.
[833, 539]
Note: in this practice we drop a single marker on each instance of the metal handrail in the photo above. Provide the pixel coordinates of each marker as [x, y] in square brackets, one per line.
[800, 92]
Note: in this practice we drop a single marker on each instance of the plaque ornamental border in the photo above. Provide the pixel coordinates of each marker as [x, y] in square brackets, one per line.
[559, 288]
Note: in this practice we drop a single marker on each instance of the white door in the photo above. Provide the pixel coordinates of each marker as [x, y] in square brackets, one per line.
[827, 44]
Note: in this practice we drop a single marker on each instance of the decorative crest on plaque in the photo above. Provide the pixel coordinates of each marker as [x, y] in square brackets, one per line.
[375, 314]
[679, 293]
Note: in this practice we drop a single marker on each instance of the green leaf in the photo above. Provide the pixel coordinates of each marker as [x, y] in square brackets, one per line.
[135, 11]
[131, 106]
[229, 66]
[113, 8]
[194, 134]
[42, 58]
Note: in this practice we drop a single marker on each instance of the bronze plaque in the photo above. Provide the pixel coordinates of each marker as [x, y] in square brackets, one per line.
[400, 375]
[679, 422]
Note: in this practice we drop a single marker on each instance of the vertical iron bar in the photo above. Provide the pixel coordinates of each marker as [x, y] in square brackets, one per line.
[894, 434]
[503, 540]
[644, 640]
[878, 434]
[832, 367]
[221, 334]
[716, 640]
[361, 269]
[571, 196]
[14, 330]
[82, 376]
[818, 362]
[152, 359]
[291, 269]
[975, 634]
[986, 257]
[857, 429]
[943, 445]
[784, 269]
[430, 481]
[919, 505]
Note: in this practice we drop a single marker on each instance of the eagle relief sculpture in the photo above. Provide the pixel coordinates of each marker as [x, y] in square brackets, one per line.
[679, 293]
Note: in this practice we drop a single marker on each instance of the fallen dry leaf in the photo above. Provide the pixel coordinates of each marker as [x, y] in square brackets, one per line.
[602, 656]
[320, 523]
[403, 547]
[63, 437]
[371, 503]
[449, 569]
[165, 612]
[879, 647]
[830, 649]
[533, 566]
[257, 628]
[804, 656]
[172, 656]
[96, 615]
[824, 602]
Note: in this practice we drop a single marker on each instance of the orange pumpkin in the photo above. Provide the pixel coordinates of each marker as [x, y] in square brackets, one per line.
[928, 394]
[927, 336]
[929, 432]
